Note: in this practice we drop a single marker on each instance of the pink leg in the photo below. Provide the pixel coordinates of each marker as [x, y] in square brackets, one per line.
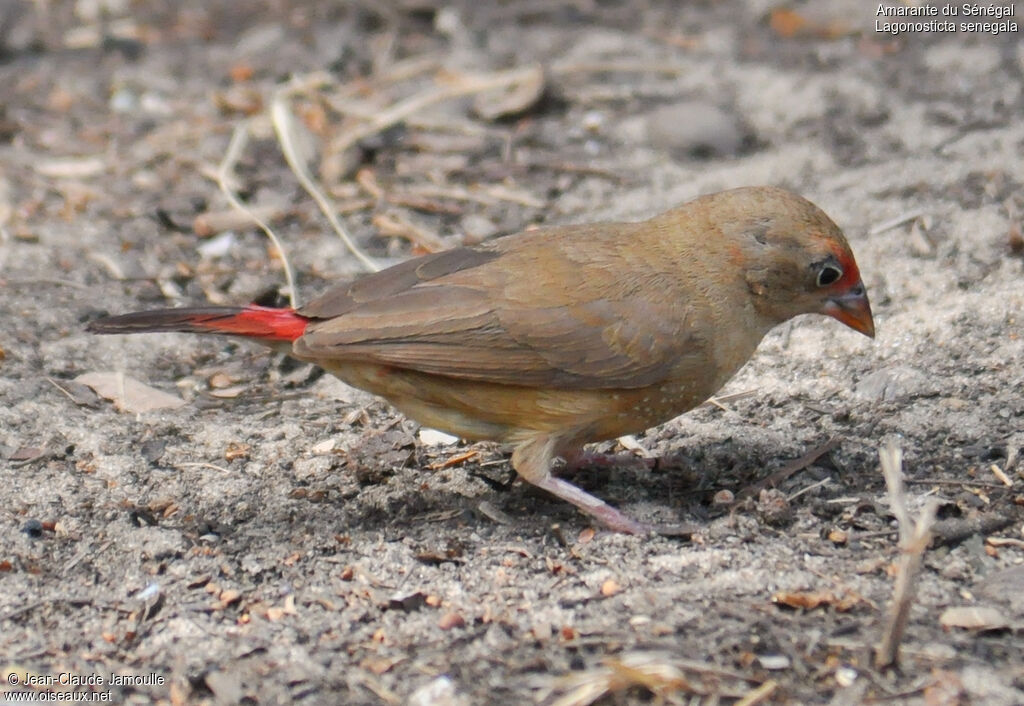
[533, 459]
[615, 520]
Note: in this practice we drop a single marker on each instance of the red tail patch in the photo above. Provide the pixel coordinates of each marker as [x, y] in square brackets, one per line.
[253, 321]
[261, 322]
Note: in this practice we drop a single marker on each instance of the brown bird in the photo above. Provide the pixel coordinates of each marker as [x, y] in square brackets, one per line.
[560, 336]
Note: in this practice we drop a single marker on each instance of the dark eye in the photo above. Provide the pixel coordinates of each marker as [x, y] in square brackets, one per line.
[829, 274]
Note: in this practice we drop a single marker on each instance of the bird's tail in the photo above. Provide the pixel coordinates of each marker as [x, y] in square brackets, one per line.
[262, 323]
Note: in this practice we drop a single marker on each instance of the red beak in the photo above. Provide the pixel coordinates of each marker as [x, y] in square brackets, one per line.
[852, 308]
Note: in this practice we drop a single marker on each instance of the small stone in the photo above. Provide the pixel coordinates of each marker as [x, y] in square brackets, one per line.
[773, 507]
[838, 536]
[153, 450]
[846, 676]
[408, 602]
[774, 662]
[723, 497]
[449, 621]
[439, 692]
[323, 448]
[33, 528]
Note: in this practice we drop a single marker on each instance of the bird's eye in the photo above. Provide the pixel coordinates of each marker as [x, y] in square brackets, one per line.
[829, 274]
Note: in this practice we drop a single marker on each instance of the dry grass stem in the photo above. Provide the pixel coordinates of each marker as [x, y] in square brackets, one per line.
[913, 540]
[456, 87]
[897, 221]
[759, 694]
[225, 177]
[790, 468]
[282, 118]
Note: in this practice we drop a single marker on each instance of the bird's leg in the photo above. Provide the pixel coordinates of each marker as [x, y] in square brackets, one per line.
[532, 460]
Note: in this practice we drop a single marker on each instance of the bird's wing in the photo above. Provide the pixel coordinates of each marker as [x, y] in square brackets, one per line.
[480, 314]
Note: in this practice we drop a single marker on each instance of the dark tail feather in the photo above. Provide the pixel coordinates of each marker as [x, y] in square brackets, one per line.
[259, 322]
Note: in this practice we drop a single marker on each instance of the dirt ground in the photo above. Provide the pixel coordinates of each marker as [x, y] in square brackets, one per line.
[281, 538]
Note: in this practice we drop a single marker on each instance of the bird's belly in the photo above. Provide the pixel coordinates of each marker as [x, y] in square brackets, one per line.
[488, 411]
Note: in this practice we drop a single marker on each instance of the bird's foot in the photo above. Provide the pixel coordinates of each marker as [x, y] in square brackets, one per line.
[532, 460]
[613, 519]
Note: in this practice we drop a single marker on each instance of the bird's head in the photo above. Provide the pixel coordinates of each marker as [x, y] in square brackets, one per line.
[795, 260]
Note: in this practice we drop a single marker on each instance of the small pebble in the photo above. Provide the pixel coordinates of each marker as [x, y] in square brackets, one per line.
[33, 528]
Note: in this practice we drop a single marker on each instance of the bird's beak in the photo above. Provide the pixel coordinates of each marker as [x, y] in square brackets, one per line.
[852, 308]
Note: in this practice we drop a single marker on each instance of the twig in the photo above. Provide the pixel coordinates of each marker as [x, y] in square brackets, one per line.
[759, 694]
[394, 224]
[948, 481]
[790, 468]
[914, 538]
[725, 399]
[515, 196]
[42, 280]
[897, 221]
[108, 262]
[1003, 478]
[225, 174]
[1005, 542]
[62, 389]
[196, 464]
[210, 223]
[812, 486]
[416, 103]
[956, 529]
[74, 561]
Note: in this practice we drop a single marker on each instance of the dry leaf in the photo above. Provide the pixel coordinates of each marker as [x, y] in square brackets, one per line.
[379, 665]
[433, 437]
[946, 690]
[237, 449]
[228, 393]
[809, 600]
[514, 99]
[128, 394]
[322, 448]
[786, 23]
[454, 460]
[974, 618]
[220, 380]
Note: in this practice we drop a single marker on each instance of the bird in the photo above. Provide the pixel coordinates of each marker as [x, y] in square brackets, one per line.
[561, 336]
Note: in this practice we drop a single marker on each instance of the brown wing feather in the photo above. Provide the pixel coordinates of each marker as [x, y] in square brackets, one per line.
[394, 280]
[461, 314]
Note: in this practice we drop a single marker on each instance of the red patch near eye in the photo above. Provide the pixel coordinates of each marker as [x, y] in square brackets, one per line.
[851, 275]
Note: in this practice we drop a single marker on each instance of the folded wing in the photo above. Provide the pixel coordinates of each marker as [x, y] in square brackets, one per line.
[461, 314]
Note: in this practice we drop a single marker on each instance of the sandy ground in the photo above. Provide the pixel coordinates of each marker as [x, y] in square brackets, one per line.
[282, 538]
